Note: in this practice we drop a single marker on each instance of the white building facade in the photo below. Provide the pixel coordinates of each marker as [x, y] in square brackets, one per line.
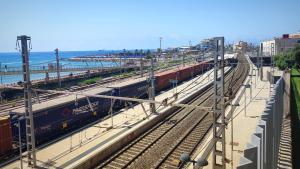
[279, 45]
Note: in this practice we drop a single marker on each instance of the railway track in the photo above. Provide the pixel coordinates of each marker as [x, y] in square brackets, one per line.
[5, 108]
[162, 145]
[194, 136]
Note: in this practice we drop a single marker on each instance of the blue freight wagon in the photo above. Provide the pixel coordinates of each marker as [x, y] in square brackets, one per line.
[58, 116]
[55, 117]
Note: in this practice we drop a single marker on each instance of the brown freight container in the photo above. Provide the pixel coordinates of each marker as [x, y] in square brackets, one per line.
[198, 68]
[162, 79]
[185, 73]
[180, 74]
[5, 135]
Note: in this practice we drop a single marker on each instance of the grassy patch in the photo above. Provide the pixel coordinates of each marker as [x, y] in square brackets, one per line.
[295, 79]
[90, 81]
[295, 116]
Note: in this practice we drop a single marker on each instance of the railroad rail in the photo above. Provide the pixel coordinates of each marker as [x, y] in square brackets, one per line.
[41, 69]
[5, 108]
[182, 132]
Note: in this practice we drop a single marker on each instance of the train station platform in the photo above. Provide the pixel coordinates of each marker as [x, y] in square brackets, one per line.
[244, 120]
[83, 144]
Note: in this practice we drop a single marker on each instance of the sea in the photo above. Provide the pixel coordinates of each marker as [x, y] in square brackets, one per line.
[10, 61]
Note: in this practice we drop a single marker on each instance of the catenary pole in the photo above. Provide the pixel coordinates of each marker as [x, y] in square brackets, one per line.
[29, 123]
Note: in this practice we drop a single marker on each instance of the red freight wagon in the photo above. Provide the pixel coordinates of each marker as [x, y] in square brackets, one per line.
[198, 68]
[186, 73]
[5, 135]
[162, 79]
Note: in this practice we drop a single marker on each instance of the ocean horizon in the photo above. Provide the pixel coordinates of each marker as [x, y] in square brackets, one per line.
[13, 60]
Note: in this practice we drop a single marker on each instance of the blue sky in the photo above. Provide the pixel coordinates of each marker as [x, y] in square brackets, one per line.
[135, 24]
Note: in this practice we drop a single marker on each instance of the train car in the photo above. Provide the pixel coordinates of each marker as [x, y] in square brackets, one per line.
[186, 73]
[55, 117]
[61, 115]
[134, 88]
[5, 135]
[164, 79]
[201, 67]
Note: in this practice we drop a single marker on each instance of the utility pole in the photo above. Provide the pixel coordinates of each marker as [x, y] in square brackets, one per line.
[30, 135]
[1, 71]
[121, 62]
[160, 39]
[272, 66]
[152, 88]
[261, 61]
[219, 107]
[141, 66]
[58, 68]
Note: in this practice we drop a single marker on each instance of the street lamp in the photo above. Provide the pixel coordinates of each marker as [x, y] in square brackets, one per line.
[185, 158]
[19, 134]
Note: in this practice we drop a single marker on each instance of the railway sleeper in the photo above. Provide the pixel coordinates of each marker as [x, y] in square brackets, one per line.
[128, 154]
[192, 141]
[145, 142]
[121, 160]
[185, 147]
[110, 167]
[140, 145]
[125, 157]
[152, 137]
[171, 163]
[115, 164]
[131, 152]
[134, 149]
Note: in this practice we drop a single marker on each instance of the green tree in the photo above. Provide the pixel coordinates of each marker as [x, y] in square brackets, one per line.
[148, 54]
[158, 50]
[297, 59]
[288, 59]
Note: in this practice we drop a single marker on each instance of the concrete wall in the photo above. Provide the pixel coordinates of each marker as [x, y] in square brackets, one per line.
[265, 149]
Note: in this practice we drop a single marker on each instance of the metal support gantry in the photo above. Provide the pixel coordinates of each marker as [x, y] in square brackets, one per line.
[30, 137]
[219, 154]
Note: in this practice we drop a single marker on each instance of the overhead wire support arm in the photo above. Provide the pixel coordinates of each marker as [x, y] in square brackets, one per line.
[120, 98]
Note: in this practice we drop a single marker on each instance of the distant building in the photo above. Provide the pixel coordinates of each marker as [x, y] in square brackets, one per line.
[282, 44]
[240, 46]
[207, 44]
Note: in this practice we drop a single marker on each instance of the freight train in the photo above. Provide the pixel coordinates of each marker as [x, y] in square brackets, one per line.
[61, 115]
